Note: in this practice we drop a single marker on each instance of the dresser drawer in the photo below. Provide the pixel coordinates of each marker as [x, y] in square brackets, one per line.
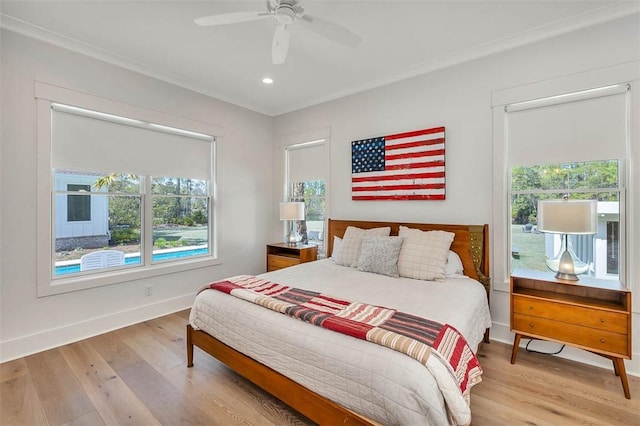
[588, 338]
[278, 262]
[578, 315]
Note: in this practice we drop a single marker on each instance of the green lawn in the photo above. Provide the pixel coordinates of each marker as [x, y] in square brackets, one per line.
[530, 247]
[193, 235]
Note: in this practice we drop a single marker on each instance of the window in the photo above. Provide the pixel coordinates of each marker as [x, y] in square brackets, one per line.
[593, 180]
[113, 214]
[78, 206]
[128, 198]
[306, 183]
[180, 218]
[113, 221]
[312, 193]
[574, 146]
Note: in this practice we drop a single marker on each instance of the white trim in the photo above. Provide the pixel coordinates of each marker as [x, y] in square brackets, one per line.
[46, 94]
[30, 30]
[564, 26]
[309, 138]
[87, 101]
[596, 92]
[633, 198]
[43, 340]
[627, 73]
[83, 112]
[609, 76]
[606, 13]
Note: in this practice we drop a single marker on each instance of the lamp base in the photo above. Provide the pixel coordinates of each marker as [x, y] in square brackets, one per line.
[567, 276]
[293, 238]
[567, 265]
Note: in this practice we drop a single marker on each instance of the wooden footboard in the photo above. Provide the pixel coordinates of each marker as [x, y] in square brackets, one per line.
[301, 399]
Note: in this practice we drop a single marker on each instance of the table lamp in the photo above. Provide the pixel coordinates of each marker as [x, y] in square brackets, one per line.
[575, 217]
[292, 211]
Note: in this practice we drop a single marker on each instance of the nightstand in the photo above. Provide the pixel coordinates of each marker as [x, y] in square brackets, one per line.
[282, 255]
[590, 314]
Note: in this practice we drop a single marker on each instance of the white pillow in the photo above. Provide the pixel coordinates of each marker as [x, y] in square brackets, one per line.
[352, 241]
[454, 264]
[337, 246]
[380, 255]
[423, 255]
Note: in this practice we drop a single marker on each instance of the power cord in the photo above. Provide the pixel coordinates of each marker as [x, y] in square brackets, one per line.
[539, 352]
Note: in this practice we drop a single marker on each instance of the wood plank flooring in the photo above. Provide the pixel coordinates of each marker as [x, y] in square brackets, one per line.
[138, 375]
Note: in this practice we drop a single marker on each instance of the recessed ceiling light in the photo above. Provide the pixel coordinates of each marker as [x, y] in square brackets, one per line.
[267, 80]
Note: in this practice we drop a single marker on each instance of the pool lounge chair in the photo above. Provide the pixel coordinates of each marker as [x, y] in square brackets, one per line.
[101, 259]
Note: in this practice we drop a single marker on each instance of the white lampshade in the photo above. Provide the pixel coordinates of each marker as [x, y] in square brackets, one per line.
[292, 211]
[568, 216]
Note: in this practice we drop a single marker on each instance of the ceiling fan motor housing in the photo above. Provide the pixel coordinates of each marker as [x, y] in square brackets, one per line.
[285, 14]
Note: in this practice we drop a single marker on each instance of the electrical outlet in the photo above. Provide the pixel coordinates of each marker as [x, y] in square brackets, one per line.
[148, 290]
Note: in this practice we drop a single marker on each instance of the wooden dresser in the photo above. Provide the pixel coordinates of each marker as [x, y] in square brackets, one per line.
[282, 255]
[591, 314]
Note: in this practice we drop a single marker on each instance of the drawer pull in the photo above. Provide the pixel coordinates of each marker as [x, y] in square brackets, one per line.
[602, 320]
[601, 340]
[531, 324]
[531, 307]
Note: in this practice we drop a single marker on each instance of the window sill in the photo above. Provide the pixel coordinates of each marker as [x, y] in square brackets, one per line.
[48, 287]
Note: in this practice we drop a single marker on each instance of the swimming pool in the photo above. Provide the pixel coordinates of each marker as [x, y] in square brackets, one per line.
[135, 259]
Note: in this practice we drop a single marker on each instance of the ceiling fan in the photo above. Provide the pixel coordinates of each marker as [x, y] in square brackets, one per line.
[285, 12]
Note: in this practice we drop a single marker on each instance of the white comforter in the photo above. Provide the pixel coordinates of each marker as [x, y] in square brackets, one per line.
[377, 382]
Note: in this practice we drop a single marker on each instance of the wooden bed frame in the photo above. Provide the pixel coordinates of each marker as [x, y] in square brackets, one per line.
[471, 242]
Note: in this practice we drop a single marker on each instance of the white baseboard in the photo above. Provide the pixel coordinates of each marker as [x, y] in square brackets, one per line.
[502, 333]
[52, 338]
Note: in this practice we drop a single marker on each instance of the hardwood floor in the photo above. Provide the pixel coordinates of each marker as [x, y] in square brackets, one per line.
[137, 375]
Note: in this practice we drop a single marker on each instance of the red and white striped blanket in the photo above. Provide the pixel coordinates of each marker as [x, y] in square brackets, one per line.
[425, 340]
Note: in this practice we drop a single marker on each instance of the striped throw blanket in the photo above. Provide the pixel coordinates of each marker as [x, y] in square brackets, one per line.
[420, 338]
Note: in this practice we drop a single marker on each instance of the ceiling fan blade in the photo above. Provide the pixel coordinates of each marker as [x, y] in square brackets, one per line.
[231, 18]
[331, 31]
[280, 45]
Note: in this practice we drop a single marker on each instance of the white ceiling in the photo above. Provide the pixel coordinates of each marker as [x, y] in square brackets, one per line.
[400, 39]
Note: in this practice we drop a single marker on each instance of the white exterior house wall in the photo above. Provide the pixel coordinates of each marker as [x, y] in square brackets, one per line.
[99, 223]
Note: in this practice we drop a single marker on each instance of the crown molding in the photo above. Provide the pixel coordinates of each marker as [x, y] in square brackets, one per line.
[543, 32]
[27, 29]
[563, 26]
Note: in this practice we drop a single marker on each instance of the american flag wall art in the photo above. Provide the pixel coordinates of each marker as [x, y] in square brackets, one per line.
[405, 166]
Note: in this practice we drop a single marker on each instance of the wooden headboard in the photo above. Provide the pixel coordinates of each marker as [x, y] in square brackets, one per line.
[471, 242]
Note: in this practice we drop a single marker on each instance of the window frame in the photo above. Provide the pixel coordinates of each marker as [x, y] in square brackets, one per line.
[152, 196]
[558, 193]
[288, 184]
[72, 194]
[46, 95]
[628, 74]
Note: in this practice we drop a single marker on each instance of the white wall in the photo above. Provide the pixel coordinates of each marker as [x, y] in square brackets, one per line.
[244, 175]
[459, 98]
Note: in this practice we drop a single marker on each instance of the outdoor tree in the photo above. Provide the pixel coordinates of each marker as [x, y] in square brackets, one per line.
[560, 179]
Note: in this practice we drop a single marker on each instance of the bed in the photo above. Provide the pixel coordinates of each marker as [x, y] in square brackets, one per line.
[336, 379]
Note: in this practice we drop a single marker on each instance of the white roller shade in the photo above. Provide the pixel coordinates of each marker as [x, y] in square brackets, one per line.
[85, 140]
[306, 162]
[571, 130]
